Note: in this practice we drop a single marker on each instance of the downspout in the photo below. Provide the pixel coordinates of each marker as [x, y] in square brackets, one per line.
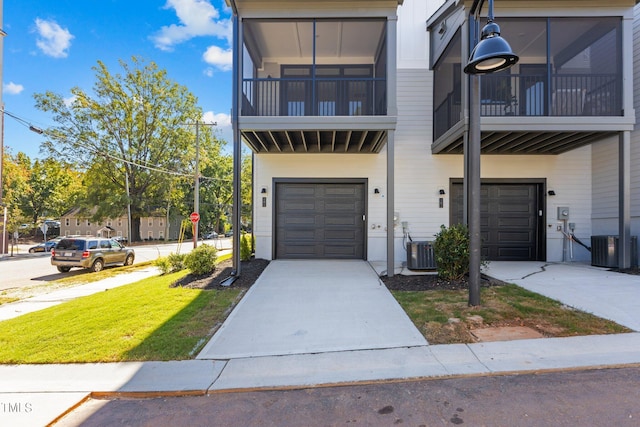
[237, 152]
[237, 145]
[392, 110]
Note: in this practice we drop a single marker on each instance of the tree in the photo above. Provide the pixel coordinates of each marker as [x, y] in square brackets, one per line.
[246, 180]
[216, 187]
[51, 188]
[15, 176]
[129, 136]
[40, 188]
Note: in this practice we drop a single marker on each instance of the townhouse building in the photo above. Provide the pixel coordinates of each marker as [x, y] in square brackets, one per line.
[357, 113]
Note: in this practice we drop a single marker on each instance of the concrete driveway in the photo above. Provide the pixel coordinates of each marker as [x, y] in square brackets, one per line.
[313, 306]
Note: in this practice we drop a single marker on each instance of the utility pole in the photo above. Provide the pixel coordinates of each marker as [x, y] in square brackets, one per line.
[196, 191]
[196, 179]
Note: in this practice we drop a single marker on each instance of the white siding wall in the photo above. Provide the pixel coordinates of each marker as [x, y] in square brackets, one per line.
[605, 165]
[604, 177]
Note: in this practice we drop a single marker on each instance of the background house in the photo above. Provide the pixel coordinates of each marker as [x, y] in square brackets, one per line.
[151, 228]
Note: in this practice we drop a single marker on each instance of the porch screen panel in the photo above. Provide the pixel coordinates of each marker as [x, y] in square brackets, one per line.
[585, 58]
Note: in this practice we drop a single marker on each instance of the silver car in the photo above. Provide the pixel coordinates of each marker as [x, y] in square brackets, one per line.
[90, 252]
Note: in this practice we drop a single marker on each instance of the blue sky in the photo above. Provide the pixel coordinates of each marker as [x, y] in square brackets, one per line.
[53, 45]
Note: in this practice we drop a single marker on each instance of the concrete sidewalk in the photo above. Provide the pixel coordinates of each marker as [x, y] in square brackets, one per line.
[40, 302]
[49, 390]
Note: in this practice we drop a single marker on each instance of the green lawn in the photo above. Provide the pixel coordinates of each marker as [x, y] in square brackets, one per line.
[146, 320]
[507, 305]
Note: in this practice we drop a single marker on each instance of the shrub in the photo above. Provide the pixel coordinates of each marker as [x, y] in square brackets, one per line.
[163, 264]
[452, 251]
[170, 264]
[177, 261]
[247, 243]
[201, 260]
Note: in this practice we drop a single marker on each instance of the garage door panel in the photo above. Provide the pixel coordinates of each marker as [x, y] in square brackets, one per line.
[351, 221]
[514, 222]
[326, 223]
[514, 208]
[511, 237]
[514, 254]
[301, 190]
[340, 190]
[299, 250]
[299, 234]
[297, 205]
[511, 191]
[298, 220]
[340, 251]
[341, 234]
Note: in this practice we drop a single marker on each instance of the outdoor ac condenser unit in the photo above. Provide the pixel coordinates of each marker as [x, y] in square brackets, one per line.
[604, 251]
[420, 256]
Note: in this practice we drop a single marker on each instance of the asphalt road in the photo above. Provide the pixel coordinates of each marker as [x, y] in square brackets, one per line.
[25, 269]
[607, 397]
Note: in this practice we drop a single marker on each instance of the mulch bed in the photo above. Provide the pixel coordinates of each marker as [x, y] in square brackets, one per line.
[431, 281]
[250, 270]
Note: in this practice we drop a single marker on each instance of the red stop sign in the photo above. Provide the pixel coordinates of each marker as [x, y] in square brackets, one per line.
[195, 217]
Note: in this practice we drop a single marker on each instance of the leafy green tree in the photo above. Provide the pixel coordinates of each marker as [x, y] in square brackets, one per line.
[15, 174]
[130, 135]
[38, 189]
[216, 188]
[52, 187]
[246, 180]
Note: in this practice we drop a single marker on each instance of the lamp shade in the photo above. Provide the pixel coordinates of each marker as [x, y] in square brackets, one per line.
[491, 54]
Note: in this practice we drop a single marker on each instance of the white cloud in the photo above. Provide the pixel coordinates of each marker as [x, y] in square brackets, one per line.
[223, 124]
[197, 18]
[53, 40]
[218, 57]
[69, 101]
[12, 88]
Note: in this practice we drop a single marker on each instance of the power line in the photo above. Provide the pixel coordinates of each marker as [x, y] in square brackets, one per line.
[155, 168]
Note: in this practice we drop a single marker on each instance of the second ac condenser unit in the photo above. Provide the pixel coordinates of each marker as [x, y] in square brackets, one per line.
[420, 256]
[604, 251]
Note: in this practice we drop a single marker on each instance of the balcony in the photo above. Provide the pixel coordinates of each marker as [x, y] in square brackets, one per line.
[530, 96]
[316, 85]
[567, 91]
[314, 97]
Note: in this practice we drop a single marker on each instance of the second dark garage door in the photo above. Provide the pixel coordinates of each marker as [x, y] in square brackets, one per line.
[320, 220]
[512, 228]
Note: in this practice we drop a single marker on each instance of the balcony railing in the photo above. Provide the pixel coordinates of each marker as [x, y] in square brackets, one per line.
[314, 97]
[530, 95]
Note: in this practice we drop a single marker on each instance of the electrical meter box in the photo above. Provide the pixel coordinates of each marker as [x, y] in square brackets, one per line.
[563, 212]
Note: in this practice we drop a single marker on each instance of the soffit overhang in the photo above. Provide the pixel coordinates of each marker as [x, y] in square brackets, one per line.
[316, 134]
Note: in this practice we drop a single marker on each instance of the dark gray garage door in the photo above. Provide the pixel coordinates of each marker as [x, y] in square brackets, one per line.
[320, 220]
[512, 228]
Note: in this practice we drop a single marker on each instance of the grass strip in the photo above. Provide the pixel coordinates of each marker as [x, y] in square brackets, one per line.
[146, 320]
[508, 305]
